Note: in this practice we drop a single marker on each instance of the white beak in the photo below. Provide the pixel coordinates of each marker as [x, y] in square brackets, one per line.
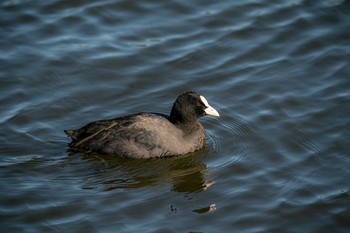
[209, 110]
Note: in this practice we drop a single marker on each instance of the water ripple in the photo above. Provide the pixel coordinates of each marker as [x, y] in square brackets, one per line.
[278, 73]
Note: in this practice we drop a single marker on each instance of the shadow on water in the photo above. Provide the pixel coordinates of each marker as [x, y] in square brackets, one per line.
[185, 174]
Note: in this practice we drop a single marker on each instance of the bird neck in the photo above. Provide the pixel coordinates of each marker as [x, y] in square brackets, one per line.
[179, 119]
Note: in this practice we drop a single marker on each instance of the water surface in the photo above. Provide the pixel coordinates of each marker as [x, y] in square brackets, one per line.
[277, 160]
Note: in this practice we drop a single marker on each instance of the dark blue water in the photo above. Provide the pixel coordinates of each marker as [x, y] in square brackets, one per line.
[278, 72]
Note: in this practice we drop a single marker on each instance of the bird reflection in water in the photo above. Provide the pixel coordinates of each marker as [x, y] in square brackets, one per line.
[186, 174]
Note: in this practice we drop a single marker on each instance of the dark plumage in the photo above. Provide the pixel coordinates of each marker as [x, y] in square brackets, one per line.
[146, 135]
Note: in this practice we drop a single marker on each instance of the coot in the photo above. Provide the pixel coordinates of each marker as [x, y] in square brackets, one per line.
[146, 135]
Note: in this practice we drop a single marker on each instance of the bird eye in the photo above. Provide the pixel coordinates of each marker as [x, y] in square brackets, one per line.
[198, 103]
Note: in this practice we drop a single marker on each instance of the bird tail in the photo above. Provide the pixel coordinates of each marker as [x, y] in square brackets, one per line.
[71, 133]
